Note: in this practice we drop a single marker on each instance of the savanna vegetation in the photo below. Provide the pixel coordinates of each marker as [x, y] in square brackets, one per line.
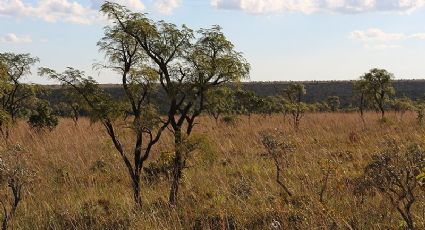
[185, 147]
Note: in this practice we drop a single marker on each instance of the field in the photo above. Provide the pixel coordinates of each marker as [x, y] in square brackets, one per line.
[80, 182]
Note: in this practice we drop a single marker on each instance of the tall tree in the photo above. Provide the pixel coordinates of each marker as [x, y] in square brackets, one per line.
[123, 56]
[377, 84]
[188, 66]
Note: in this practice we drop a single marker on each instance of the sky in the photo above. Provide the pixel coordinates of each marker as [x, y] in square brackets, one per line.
[283, 40]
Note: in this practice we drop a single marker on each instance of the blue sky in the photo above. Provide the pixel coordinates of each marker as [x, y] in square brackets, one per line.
[282, 39]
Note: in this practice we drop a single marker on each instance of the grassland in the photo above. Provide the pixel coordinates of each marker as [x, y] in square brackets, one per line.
[229, 183]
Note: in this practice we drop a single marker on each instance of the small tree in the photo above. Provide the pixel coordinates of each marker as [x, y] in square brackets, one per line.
[13, 93]
[333, 103]
[219, 101]
[294, 93]
[360, 88]
[246, 102]
[15, 176]
[402, 105]
[376, 85]
[74, 102]
[43, 117]
[394, 173]
[278, 151]
[420, 112]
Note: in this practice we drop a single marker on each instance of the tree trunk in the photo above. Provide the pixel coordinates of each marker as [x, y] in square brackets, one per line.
[136, 190]
[177, 168]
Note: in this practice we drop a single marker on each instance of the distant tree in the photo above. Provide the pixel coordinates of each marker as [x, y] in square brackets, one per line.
[402, 105]
[361, 89]
[272, 104]
[13, 93]
[376, 85]
[75, 103]
[333, 103]
[219, 101]
[43, 117]
[294, 93]
[246, 102]
[419, 108]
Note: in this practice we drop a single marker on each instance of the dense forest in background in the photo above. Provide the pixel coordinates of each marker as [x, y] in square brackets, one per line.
[317, 91]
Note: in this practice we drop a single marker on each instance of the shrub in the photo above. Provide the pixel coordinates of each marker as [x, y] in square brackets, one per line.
[230, 120]
[394, 173]
[43, 117]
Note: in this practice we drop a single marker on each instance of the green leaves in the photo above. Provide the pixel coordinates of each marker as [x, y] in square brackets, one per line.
[43, 117]
[99, 104]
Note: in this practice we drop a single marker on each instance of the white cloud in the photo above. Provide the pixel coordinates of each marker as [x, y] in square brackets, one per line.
[374, 34]
[166, 6]
[61, 10]
[311, 6]
[135, 5]
[12, 38]
[382, 46]
[377, 38]
[49, 10]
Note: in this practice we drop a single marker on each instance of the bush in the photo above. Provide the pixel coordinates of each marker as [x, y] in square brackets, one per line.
[43, 117]
[230, 120]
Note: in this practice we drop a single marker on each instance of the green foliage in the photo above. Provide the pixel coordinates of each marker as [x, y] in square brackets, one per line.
[5, 121]
[333, 103]
[247, 102]
[294, 93]
[43, 117]
[402, 105]
[230, 120]
[98, 103]
[376, 86]
[420, 112]
[159, 169]
[219, 101]
[16, 97]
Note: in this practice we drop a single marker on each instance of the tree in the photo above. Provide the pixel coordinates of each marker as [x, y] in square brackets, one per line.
[402, 105]
[270, 105]
[361, 88]
[420, 112]
[219, 101]
[13, 93]
[394, 173]
[278, 151]
[333, 103]
[123, 56]
[15, 177]
[188, 67]
[74, 102]
[247, 102]
[43, 117]
[377, 85]
[294, 93]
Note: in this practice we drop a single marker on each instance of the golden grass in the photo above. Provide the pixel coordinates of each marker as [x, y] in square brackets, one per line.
[81, 183]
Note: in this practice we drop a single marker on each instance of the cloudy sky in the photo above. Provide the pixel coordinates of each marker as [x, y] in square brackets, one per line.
[282, 39]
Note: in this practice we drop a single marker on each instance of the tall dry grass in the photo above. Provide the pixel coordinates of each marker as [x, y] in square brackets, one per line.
[81, 183]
